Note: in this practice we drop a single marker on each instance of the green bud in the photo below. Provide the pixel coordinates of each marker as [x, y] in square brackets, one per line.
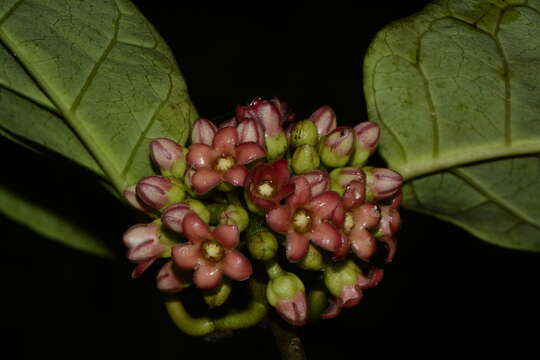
[336, 148]
[304, 133]
[199, 209]
[313, 260]
[276, 146]
[234, 215]
[217, 296]
[341, 274]
[305, 159]
[263, 245]
[283, 287]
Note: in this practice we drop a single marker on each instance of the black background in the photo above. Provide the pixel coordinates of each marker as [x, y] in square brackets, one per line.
[446, 291]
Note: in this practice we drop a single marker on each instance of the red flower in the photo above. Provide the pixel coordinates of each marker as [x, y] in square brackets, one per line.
[210, 253]
[223, 161]
[268, 184]
[304, 218]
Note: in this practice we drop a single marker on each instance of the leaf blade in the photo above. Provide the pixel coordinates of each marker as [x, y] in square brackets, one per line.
[453, 88]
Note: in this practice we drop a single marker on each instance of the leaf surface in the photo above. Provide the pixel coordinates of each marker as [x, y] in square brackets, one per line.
[456, 88]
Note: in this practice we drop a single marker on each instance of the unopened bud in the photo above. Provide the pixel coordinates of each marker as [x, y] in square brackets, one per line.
[263, 245]
[203, 132]
[130, 194]
[144, 246]
[173, 216]
[232, 122]
[336, 147]
[367, 138]
[158, 192]
[276, 146]
[341, 279]
[313, 260]
[286, 293]
[324, 119]
[234, 215]
[250, 130]
[217, 296]
[318, 180]
[305, 159]
[381, 183]
[170, 279]
[270, 117]
[304, 133]
[342, 177]
[169, 156]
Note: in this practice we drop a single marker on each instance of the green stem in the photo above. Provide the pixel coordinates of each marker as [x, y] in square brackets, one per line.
[186, 323]
[273, 269]
[288, 342]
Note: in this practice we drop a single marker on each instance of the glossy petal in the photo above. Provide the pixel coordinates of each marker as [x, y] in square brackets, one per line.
[248, 152]
[325, 236]
[227, 235]
[207, 276]
[201, 156]
[328, 205]
[351, 295]
[236, 175]
[195, 229]
[225, 141]
[302, 193]
[280, 172]
[373, 279]
[362, 242]
[205, 180]
[236, 266]
[186, 256]
[366, 215]
[355, 194]
[297, 246]
[343, 248]
[293, 311]
[279, 218]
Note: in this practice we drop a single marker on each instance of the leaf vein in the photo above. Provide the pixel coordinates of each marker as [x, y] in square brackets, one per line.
[10, 11]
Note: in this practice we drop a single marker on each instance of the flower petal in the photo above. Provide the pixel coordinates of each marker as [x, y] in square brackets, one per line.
[355, 194]
[168, 280]
[297, 246]
[279, 218]
[236, 266]
[227, 235]
[207, 276]
[186, 256]
[391, 247]
[351, 295]
[343, 248]
[174, 215]
[325, 236]
[302, 193]
[225, 141]
[194, 228]
[248, 152]
[362, 243]
[201, 156]
[366, 215]
[141, 267]
[373, 278]
[280, 172]
[204, 180]
[334, 308]
[236, 175]
[293, 311]
[328, 205]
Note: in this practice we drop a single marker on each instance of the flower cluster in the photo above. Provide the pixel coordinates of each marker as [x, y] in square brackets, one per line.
[263, 179]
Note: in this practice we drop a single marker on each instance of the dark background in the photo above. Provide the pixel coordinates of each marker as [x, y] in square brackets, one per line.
[446, 291]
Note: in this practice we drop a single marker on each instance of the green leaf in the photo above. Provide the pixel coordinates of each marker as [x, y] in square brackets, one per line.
[92, 81]
[49, 223]
[455, 89]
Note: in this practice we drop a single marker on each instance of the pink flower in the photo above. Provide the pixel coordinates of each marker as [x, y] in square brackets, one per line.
[144, 247]
[169, 279]
[223, 161]
[203, 132]
[268, 184]
[304, 218]
[264, 112]
[211, 254]
[318, 180]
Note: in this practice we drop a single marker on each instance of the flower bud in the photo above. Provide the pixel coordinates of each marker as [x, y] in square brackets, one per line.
[286, 293]
[318, 181]
[170, 280]
[336, 147]
[250, 130]
[263, 245]
[276, 146]
[304, 133]
[324, 119]
[389, 223]
[381, 183]
[159, 192]
[341, 278]
[284, 110]
[342, 177]
[367, 138]
[144, 246]
[234, 215]
[203, 132]
[130, 194]
[173, 216]
[269, 117]
[217, 296]
[305, 159]
[313, 260]
[232, 122]
[169, 156]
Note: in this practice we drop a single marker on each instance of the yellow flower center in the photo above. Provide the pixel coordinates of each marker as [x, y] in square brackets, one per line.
[301, 220]
[265, 189]
[349, 222]
[224, 163]
[212, 250]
